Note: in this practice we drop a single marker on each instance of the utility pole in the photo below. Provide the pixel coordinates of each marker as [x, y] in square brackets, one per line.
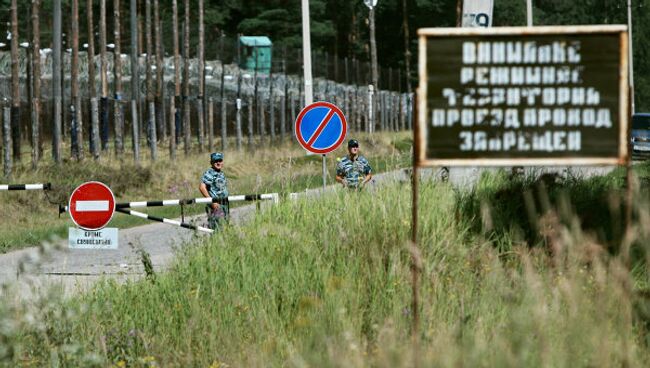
[371, 4]
[306, 53]
[529, 13]
[306, 56]
[630, 54]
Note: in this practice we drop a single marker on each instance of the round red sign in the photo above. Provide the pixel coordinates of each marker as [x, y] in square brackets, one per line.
[91, 205]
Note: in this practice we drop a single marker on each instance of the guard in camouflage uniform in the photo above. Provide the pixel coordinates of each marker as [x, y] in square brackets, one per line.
[215, 185]
[353, 171]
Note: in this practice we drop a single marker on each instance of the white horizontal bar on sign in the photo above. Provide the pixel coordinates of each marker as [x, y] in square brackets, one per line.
[4, 187]
[237, 198]
[92, 206]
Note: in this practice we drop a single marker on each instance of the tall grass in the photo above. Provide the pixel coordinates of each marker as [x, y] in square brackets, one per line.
[27, 218]
[326, 283]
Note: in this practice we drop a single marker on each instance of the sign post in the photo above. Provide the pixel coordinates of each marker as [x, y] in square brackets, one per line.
[321, 128]
[91, 207]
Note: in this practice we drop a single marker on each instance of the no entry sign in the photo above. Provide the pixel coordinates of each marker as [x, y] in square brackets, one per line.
[91, 205]
[321, 127]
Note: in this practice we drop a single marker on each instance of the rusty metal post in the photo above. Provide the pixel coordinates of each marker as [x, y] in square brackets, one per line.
[415, 252]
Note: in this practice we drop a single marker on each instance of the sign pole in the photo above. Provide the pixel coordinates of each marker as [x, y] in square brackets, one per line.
[629, 174]
[306, 53]
[630, 54]
[306, 56]
[415, 261]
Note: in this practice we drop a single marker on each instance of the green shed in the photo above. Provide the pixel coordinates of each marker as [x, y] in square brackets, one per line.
[256, 53]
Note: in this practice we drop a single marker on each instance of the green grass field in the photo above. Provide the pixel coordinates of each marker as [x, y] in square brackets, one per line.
[326, 282]
[29, 217]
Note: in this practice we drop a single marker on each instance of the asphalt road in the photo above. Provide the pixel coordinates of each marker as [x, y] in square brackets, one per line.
[74, 270]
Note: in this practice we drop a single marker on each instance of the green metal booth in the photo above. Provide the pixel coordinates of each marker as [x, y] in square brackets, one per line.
[256, 53]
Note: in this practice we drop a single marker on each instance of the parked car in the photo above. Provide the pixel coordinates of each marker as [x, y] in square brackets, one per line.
[641, 134]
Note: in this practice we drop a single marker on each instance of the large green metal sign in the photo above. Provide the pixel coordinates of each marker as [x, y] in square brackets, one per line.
[528, 96]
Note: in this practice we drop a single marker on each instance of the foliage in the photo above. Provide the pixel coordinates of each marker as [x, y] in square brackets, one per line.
[340, 26]
[326, 282]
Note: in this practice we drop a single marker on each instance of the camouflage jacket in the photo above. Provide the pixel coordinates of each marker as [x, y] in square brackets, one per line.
[216, 182]
[353, 171]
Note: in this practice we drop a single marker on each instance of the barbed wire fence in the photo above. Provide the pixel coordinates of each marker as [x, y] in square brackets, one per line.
[244, 107]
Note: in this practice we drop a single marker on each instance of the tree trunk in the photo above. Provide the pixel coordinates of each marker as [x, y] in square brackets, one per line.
[118, 109]
[174, 126]
[15, 83]
[151, 120]
[104, 75]
[56, 80]
[224, 126]
[92, 88]
[201, 78]
[36, 80]
[251, 113]
[255, 108]
[6, 142]
[160, 110]
[238, 117]
[210, 122]
[271, 106]
[77, 131]
[283, 104]
[186, 79]
[135, 81]
[407, 50]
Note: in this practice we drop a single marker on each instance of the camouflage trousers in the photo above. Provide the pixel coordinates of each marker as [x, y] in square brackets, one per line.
[218, 218]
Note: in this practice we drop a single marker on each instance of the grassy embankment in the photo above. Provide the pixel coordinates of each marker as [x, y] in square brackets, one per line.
[27, 218]
[326, 283]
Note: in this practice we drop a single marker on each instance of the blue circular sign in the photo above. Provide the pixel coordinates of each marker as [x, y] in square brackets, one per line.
[321, 127]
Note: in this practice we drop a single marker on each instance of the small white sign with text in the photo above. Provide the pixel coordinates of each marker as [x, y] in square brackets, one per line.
[106, 238]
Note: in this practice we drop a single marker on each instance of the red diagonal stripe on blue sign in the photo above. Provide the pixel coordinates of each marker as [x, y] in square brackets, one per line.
[320, 128]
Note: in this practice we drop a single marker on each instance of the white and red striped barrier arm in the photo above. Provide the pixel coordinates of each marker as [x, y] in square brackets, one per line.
[46, 186]
[164, 220]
